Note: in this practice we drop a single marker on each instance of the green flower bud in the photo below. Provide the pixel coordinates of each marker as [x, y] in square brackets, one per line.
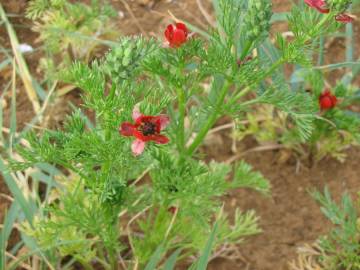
[123, 60]
[257, 18]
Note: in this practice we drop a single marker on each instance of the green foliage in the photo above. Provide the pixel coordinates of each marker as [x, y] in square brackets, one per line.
[339, 5]
[244, 177]
[298, 118]
[70, 31]
[109, 191]
[257, 19]
[341, 245]
[123, 61]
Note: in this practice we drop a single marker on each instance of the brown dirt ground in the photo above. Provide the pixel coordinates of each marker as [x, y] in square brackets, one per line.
[290, 217]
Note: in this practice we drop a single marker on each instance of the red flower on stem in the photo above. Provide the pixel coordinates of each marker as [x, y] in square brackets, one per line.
[172, 209]
[321, 6]
[344, 18]
[146, 128]
[327, 100]
[176, 34]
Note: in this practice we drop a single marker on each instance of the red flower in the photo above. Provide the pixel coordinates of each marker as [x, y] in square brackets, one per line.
[344, 18]
[327, 100]
[172, 209]
[176, 34]
[146, 128]
[320, 5]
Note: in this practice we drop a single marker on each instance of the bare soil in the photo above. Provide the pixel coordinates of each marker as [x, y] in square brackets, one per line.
[290, 217]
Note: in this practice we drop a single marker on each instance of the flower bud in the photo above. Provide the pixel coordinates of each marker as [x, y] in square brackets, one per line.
[257, 19]
[121, 62]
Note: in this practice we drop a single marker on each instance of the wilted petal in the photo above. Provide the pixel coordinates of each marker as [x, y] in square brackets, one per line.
[137, 147]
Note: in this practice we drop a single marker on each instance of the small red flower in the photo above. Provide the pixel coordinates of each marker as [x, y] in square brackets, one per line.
[344, 18]
[172, 209]
[176, 34]
[146, 128]
[320, 5]
[327, 100]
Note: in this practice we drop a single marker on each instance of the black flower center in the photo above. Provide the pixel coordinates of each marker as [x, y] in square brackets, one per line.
[148, 128]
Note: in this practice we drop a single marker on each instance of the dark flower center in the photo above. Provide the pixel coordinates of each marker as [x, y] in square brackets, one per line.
[148, 128]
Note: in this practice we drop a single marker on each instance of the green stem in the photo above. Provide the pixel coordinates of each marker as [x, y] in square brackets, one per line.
[246, 50]
[181, 119]
[210, 122]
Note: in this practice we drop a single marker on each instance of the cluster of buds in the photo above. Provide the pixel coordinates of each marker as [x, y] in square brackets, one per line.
[257, 18]
[123, 60]
[338, 5]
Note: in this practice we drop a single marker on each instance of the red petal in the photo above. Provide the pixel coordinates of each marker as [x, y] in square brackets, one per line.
[162, 121]
[344, 18]
[136, 113]
[169, 32]
[141, 136]
[320, 5]
[137, 147]
[160, 139]
[127, 129]
[326, 103]
[144, 119]
[179, 37]
[183, 27]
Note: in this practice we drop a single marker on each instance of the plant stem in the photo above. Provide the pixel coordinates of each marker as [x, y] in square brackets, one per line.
[210, 122]
[181, 119]
[246, 50]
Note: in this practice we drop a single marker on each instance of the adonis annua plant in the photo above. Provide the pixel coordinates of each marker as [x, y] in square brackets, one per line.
[135, 184]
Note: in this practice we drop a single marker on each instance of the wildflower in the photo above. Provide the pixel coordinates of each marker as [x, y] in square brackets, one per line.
[320, 5]
[176, 34]
[344, 18]
[327, 100]
[172, 209]
[146, 128]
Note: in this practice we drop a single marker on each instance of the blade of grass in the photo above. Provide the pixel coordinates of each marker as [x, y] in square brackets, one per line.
[23, 68]
[26, 205]
[4, 64]
[155, 258]
[9, 221]
[204, 259]
[2, 100]
[13, 108]
[171, 261]
[321, 50]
